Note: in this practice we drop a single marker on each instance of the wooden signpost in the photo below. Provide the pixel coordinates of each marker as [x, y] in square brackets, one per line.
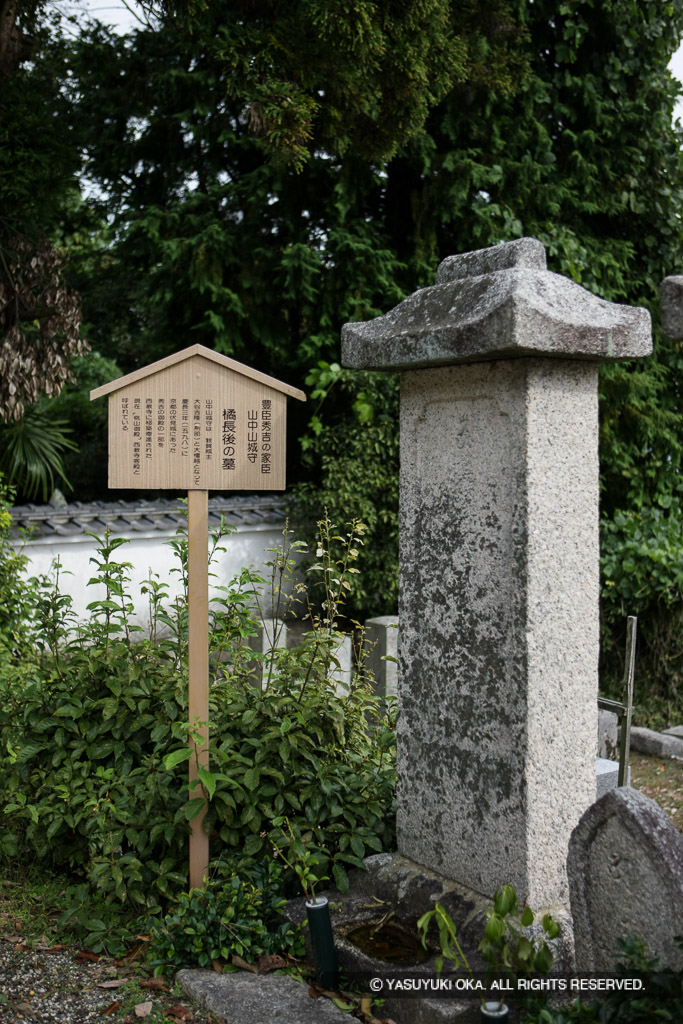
[197, 421]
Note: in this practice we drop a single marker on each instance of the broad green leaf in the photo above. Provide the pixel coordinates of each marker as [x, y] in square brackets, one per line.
[208, 779]
[176, 757]
[340, 876]
[194, 807]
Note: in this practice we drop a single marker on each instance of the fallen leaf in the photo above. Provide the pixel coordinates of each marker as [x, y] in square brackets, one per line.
[217, 966]
[143, 1009]
[239, 962]
[13, 938]
[302, 965]
[366, 1005]
[85, 957]
[112, 1008]
[341, 1005]
[130, 955]
[114, 983]
[55, 949]
[270, 963]
[316, 990]
[154, 984]
[180, 1012]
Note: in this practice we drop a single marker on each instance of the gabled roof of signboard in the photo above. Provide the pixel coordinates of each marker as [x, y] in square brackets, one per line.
[188, 353]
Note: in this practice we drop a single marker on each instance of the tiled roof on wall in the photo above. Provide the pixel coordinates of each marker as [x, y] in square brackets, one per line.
[130, 517]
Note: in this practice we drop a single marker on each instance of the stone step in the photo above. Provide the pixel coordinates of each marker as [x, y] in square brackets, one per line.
[658, 744]
[244, 998]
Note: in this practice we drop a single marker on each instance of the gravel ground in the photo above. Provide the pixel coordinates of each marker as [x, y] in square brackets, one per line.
[60, 986]
[52, 987]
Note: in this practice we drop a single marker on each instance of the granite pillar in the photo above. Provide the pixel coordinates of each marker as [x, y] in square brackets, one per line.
[499, 584]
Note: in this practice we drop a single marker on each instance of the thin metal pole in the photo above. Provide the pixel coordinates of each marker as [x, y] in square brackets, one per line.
[629, 672]
[198, 662]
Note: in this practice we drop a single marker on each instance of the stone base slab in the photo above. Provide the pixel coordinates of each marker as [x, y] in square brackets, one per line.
[258, 999]
[658, 744]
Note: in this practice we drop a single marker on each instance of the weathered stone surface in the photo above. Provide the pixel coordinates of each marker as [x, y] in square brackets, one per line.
[659, 744]
[381, 643]
[672, 307]
[258, 999]
[608, 735]
[607, 776]
[477, 311]
[676, 730]
[525, 253]
[625, 871]
[498, 641]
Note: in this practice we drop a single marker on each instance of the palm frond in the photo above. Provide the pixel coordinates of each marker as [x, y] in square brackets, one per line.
[32, 450]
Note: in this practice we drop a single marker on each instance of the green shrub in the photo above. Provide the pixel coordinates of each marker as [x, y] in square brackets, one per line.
[94, 734]
[351, 457]
[240, 914]
[661, 998]
[15, 607]
[642, 568]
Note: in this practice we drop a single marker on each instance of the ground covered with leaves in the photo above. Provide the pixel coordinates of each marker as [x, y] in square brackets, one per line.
[661, 780]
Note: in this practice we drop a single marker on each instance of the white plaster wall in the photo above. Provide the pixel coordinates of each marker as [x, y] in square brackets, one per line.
[248, 547]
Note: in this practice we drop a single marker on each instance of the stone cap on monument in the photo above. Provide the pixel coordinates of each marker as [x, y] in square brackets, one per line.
[497, 303]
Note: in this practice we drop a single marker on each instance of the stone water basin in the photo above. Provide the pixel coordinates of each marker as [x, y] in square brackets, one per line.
[375, 934]
[389, 941]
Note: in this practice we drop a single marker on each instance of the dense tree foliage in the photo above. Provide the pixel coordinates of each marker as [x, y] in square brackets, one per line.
[264, 172]
[217, 234]
[570, 141]
[342, 76]
[247, 253]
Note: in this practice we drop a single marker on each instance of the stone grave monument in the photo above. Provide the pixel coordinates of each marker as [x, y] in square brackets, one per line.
[499, 575]
[625, 870]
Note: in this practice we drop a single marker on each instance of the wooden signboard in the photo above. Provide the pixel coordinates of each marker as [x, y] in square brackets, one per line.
[197, 421]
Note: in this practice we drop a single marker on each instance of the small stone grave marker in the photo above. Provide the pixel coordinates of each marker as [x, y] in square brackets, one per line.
[625, 869]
